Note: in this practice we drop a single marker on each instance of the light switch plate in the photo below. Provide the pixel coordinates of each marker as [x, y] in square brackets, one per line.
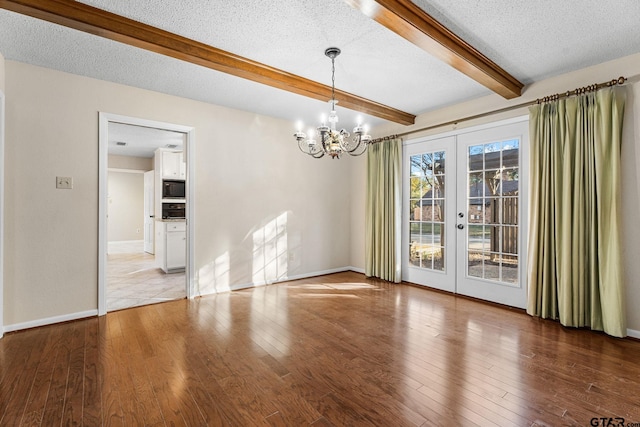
[64, 182]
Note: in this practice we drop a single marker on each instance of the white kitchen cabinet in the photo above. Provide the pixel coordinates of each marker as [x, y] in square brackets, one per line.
[173, 166]
[171, 246]
[176, 249]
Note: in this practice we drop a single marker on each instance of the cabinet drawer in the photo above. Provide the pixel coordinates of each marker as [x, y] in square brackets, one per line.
[176, 226]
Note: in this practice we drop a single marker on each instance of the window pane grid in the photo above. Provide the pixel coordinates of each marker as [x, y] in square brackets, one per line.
[427, 210]
[492, 209]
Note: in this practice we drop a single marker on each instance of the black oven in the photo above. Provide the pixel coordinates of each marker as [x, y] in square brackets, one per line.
[173, 189]
[173, 210]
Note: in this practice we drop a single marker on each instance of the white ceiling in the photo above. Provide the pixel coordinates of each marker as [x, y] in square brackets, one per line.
[141, 141]
[531, 40]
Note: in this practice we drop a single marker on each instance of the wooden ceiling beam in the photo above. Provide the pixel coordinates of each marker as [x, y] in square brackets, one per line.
[409, 21]
[89, 19]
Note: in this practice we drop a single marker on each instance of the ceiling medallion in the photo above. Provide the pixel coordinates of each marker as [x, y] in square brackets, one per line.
[332, 141]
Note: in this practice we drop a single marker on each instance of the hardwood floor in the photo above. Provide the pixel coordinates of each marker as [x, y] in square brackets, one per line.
[330, 351]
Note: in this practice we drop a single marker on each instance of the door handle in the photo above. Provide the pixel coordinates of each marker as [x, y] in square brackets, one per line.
[460, 226]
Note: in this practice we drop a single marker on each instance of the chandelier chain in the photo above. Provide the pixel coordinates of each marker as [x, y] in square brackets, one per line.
[333, 82]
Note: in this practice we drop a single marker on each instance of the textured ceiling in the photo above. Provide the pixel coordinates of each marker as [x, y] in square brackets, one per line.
[531, 40]
[534, 40]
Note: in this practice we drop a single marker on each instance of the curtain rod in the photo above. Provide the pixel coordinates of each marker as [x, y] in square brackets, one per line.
[578, 91]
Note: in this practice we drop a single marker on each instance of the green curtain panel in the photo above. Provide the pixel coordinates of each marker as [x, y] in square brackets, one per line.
[575, 257]
[383, 210]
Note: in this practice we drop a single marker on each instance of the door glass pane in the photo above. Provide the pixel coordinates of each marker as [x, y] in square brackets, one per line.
[427, 260]
[438, 262]
[476, 239]
[438, 163]
[426, 234]
[416, 187]
[414, 245]
[492, 180]
[510, 268]
[437, 188]
[510, 153]
[510, 210]
[492, 207]
[475, 211]
[415, 210]
[491, 210]
[434, 259]
[492, 266]
[509, 240]
[476, 184]
[438, 210]
[510, 184]
[438, 234]
[476, 158]
[475, 264]
[427, 210]
[416, 169]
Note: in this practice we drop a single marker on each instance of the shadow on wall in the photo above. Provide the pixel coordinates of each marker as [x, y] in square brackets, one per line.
[269, 253]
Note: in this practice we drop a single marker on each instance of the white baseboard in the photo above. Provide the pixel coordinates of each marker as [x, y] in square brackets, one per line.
[50, 320]
[357, 269]
[633, 333]
[117, 242]
[289, 278]
[314, 274]
[283, 279]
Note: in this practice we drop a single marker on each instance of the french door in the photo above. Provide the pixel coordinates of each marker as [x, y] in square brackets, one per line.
[464, 210]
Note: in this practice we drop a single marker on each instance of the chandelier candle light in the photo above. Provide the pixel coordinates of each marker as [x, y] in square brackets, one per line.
[332, 141]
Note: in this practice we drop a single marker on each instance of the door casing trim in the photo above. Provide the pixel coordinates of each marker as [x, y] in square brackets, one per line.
[104, 119]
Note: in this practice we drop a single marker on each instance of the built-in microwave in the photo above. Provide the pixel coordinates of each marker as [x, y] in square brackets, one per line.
[173, 189]
[173, 210]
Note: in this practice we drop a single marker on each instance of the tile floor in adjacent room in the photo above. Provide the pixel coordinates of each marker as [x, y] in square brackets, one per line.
[134, 280]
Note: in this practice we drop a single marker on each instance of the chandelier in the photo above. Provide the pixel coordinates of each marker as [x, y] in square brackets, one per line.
[332, 141]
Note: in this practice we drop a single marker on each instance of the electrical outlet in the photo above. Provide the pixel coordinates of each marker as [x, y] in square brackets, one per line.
[64, 182]
[137, 230]
[292, 257]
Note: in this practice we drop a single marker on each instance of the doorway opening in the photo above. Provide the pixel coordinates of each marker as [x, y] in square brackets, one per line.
[146, 233]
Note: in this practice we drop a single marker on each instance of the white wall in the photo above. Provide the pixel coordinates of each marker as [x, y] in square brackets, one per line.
[125, 206]
[250, 178]
[130, 162]
[628, 67]
[2, 72]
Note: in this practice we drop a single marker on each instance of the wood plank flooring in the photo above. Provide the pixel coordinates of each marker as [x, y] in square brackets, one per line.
[337, 350]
